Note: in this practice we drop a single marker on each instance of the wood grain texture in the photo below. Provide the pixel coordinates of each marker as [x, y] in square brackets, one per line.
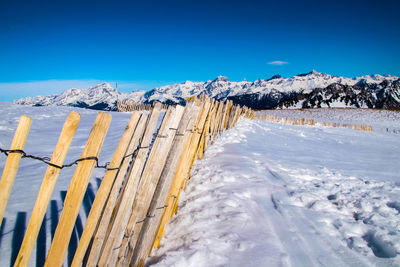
[149, 180]
[149, 229]
[76, 191]
[105, 189]
[46, 189]
[122, 214]
[105, 220]
[11, 167]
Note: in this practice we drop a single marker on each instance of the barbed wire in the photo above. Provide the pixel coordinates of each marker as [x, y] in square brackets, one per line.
[46, 160]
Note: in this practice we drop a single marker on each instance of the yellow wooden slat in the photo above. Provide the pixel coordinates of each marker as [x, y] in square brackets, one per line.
[106, 217]
[12, 163]
[149, 180]
[76, 191]
[104, 190]
[46, 189]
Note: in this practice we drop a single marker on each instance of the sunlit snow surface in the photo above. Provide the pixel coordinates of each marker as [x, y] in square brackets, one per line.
[265, 194]
[46, 127]
[268, 194]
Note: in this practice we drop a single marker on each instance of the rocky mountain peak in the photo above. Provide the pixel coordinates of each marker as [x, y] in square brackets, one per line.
[312, 73]
[258, 94]
[221, 78]
[276, 76]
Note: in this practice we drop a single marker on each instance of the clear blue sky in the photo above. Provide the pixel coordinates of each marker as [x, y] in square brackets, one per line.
[142, 44]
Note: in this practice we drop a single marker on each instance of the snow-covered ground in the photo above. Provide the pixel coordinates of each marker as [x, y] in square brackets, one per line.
[268, 194]
[265, 194]
[381, 120]
[46, 127]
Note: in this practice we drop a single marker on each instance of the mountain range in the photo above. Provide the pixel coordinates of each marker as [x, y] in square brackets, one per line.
[309, 90]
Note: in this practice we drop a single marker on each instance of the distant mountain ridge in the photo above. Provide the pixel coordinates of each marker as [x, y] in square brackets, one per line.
[309, 90]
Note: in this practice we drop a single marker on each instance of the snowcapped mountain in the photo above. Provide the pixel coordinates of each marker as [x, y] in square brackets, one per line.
[367, 91]
[101, 96]
[363, 94]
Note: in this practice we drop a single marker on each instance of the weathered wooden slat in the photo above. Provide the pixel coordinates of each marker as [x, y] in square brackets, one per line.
[178, 177]
[101, 231]
[76, 191]
[149, 180]
[104, 190]
[206, 131]
[211, 122]
[11, 167]
[218, 118]
[204, 135]
[214, 121]
[231, 116]
[123, 213]
[150, 227]
[120, 240]
[228, 110]
[46, 189]
[184, 167]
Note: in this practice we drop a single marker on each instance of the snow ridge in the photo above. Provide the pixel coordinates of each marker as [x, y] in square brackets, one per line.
[262, 93]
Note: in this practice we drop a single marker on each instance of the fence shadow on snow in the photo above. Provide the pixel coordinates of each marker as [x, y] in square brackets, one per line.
[137, 195]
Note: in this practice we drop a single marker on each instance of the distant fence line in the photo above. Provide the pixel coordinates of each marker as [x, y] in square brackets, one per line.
[390, 130]
[140, 189]
[311, 122]
[128, 105]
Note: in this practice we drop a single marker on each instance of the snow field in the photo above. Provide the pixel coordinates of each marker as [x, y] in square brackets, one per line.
[46, 127]
[381, 120]
[267, 194]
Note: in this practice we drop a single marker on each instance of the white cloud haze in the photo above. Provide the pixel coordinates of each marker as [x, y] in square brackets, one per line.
[278, 63]
[15, 90]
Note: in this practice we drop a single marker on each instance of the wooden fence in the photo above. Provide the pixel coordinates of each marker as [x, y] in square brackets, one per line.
[128, 105]
[140, 190]
[304, 121]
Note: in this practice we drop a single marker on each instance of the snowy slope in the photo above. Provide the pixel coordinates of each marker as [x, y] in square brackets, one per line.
[265, 194]
[46, 127]
[274, 195]
[262, 93]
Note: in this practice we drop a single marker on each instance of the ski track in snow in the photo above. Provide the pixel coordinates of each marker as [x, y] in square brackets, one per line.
[267, 194]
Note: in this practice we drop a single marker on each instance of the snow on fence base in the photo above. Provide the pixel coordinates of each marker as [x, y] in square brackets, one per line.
[139, 192]
[304, 121]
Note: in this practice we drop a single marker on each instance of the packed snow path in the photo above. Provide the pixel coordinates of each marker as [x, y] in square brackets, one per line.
[268, 194]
